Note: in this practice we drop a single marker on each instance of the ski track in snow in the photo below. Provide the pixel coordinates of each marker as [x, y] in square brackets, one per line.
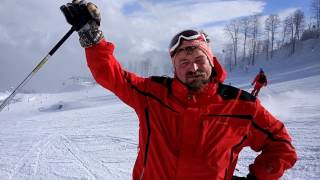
[33, 163]
[68, 142]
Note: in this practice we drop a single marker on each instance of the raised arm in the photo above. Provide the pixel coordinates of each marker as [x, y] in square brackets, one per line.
[108, 72]
[85, 18]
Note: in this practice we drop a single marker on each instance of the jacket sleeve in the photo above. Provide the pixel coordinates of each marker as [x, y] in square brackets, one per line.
[107, 71]
[270, 136]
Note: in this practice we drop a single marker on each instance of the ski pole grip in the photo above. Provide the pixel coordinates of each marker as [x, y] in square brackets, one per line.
[64, 38]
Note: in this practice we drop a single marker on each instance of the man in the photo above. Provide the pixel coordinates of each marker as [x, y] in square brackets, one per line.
[191, 127]
[259, 81]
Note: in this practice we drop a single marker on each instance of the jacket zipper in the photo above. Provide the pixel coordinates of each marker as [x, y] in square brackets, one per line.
[142, 173]
[146, 111]
[225, 174]
[232, 150]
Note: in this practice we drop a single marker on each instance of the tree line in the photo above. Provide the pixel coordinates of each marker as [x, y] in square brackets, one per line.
[257, 34]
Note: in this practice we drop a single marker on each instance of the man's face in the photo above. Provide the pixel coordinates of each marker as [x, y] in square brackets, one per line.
[192, 67]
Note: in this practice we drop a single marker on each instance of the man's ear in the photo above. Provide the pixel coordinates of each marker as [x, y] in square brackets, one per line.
[174, 72]
[173, 68]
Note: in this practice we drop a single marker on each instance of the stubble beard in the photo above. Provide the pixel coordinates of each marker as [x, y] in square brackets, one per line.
[195, 81]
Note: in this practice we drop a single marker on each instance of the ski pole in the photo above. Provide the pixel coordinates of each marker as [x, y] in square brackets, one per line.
[36, 69]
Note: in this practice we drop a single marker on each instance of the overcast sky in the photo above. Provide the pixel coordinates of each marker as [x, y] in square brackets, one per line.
[29, 29]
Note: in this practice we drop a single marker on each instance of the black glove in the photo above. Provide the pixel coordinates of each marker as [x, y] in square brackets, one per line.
[85, 18]
[249, 177]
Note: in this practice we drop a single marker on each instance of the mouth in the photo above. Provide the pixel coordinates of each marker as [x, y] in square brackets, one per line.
[196, 82]
[196, 76]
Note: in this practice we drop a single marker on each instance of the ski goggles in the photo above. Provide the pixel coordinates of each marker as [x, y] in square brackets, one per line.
[187, 35]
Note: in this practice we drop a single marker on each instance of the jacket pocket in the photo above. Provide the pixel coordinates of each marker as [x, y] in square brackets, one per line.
[225, 126]
[223, 131]
[221, 135]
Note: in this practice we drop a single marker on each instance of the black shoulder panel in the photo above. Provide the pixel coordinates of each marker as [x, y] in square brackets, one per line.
[245, 96]
[164, 80]
[159, 79]
[227, 92]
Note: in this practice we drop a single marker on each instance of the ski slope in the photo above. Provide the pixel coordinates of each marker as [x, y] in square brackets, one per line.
[89, 133]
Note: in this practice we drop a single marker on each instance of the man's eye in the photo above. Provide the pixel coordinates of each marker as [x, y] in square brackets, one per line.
[179, 50]
[184, 63]
[200, 61]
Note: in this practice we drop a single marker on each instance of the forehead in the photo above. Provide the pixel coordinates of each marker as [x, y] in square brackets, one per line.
[189, 54]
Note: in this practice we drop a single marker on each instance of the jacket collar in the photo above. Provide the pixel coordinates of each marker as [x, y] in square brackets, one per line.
[188, 98]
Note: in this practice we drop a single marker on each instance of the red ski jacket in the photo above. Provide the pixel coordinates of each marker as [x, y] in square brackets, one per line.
[260, 80]
[198, 136]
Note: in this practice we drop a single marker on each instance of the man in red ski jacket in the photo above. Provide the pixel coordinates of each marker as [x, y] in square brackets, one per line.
[259, 81]
[192, 126]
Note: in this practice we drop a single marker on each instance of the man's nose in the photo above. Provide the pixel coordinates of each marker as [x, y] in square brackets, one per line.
[194, 67]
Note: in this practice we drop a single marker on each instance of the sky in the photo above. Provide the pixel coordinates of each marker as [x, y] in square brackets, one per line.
[29, 29]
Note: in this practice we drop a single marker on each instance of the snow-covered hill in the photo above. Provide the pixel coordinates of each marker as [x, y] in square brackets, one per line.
[90, 134]
[304, 63]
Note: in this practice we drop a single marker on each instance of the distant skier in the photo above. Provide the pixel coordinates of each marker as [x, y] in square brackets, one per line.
[191, 126]
[259, 81]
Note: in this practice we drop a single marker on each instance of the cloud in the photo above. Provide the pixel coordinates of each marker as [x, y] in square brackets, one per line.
[196, 13]
[286, 12]
[153, 24]
[30, 28]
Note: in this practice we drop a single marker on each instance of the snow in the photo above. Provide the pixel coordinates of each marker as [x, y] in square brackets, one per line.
[92, 136]
[88, 133]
